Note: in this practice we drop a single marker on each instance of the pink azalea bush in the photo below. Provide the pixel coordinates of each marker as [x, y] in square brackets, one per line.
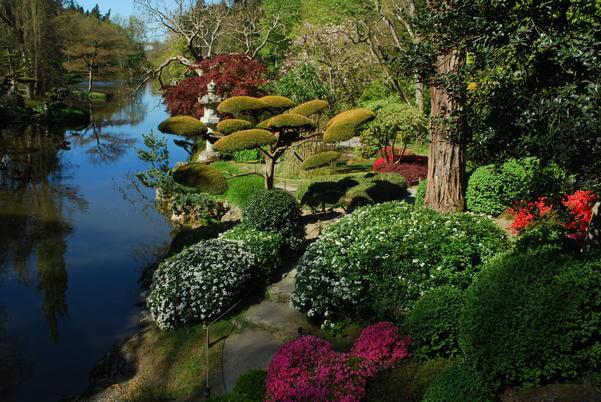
[308, 369]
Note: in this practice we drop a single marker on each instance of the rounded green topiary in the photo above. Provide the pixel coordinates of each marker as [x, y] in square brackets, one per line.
[433, 323]
[320, 159]
[275, 211]
[353, 116]
[264, 124]
[251, 385]
[232, 125]
[204, 177]
[532, 318]
[239, 104]
[459, 383]
[267, 246]
[289, 120]
[339, 132]
[183, 125]
[245, 139]
[277, 102]
[310, 108]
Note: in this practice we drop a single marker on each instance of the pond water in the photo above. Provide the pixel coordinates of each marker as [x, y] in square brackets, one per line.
[76, 230]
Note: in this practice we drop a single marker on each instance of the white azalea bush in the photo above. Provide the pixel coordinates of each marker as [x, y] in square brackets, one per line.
[200, 282]
[380, 259]
[268, 247]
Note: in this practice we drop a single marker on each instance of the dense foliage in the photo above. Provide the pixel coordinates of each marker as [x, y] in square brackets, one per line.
[382, 258]
[200, 282]
[533, 318]
[234, 75]
[413, 168]
[433, 323]
[250, 386]
[267, 247]
[458, 384]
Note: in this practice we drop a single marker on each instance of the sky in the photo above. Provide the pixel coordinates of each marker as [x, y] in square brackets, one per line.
[125, 8]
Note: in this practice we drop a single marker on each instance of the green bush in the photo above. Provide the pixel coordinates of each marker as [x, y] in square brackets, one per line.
[247, 155]
[493, 188]
[532, 318]
[355, 117]
[229, 126]
[289, 120]
[379, 260]
[406, 382]
[251, 385]
[240, 104]
[245, 139]
[321, 159]
[204, 177]
[200, 282]
[275, 211]
[459, 383]
[198, 209]
[277, 102]
[339, 132]
[183, 125]
[433, 323]
[267, 247]
[301, 83]
[420, 194]
[310, 108]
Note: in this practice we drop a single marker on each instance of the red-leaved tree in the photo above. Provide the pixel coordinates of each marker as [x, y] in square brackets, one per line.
[234, 74]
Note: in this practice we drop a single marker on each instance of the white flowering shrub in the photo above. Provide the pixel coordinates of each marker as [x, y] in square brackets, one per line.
[268, 247]
[380, 259]
[200, 282]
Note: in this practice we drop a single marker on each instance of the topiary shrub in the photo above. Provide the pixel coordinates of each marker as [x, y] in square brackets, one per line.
[245, 139]
[493, 188]
[319, 160]
[310, 108]
[275, 211]
[239, 104]
[200, 282]
[459, 383]
[232, 125]
[532, 318]
[380, 259]
[339, 132]
[433, 323]
[354, 117]
[420, 193]
[289, 120]
[268, 247]
[183, 125]
[277, 102]
[204, 177]
[251, 385]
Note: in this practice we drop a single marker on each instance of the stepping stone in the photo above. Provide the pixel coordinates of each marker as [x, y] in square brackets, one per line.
[276, 317]
[281, 291]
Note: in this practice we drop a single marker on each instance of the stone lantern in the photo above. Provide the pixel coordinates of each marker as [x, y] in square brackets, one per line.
[210, 119]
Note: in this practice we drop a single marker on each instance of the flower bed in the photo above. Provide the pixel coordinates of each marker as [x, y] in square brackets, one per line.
[412, 167]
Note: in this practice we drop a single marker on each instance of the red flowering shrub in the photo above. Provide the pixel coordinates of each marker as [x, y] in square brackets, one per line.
[234, 75]
[308, 369]
[413, 167]
[575, 209]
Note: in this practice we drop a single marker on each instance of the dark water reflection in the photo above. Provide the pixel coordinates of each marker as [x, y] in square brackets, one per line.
[75, 230]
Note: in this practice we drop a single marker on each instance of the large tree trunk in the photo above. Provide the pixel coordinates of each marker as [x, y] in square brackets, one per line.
[593, 234]
[419, 95]
[446, 165]
[269, 173]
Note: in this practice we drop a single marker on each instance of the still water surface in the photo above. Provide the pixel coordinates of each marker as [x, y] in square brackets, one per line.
[75, 232]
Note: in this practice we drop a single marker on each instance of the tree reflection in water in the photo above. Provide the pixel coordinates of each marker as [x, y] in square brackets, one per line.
[13, 369]
[33, 209]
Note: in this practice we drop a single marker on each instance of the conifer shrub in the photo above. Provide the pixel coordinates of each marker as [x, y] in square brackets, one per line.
[353, 116]
[289, 120]
[204, 177]
[277, 102]
[239, 104]
[459, 383]
[183, 125]
[310, 108]
[245, 139]
[533, 317]
[229, 126]
[321, 159]
[339, 132]
[379, 260]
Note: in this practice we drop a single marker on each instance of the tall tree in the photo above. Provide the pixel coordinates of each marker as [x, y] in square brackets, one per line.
[93, 45]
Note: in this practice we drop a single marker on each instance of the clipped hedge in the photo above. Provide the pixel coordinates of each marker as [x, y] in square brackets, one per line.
[310, 108]
[245, 139]
[532, 318]
[353, 117]
[183, 125]
[200, 282]
[380, 259]
[250, 386]
[459, 383]
[232, 125]
[320, 159]
[275, 211]
[204, 177]
[267, 246]
[339, 132]
[277, 102]
[433, 323]
[240, 104]
[289, 120]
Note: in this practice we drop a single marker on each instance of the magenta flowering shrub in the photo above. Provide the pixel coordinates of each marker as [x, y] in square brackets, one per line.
[308, 369]
[381, 345]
